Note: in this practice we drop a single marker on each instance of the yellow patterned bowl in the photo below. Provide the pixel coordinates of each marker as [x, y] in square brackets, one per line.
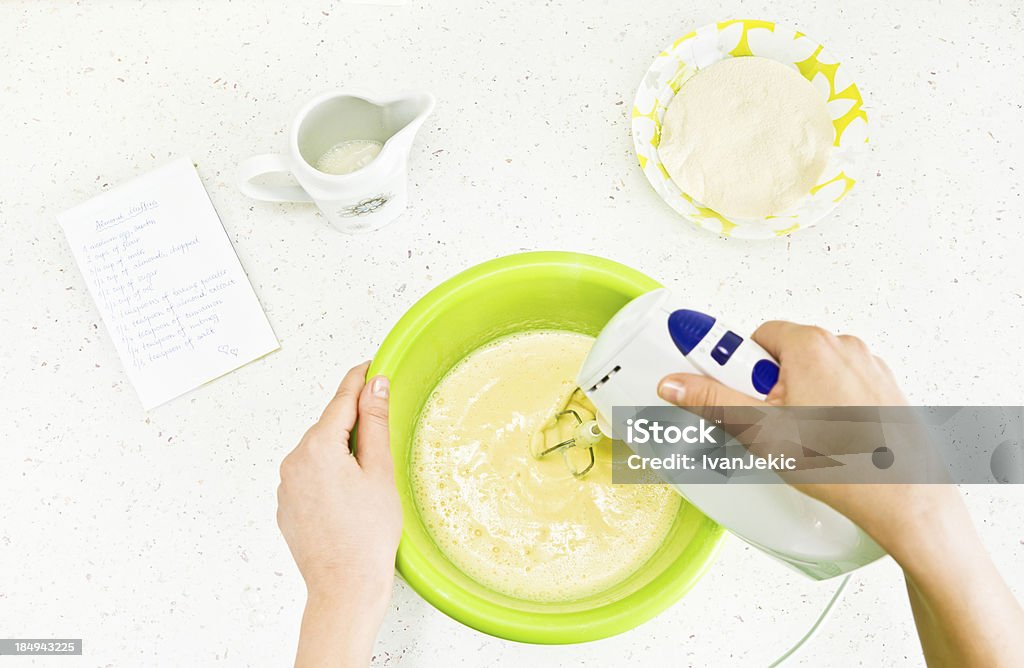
[732, 39]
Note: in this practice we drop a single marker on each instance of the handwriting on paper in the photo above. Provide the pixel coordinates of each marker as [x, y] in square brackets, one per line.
[167, 282]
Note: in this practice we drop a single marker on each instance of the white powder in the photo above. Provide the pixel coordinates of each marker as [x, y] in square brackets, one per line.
[348, 156]
[747, 137]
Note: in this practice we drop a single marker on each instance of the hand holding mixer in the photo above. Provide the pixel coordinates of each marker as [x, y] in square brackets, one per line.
[650, 338]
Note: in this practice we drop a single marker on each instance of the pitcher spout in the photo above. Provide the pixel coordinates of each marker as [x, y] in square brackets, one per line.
[408, 113]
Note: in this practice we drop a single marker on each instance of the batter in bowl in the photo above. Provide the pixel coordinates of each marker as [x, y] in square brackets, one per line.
[518, 525]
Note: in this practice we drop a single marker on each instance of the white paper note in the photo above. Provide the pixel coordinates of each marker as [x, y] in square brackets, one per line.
[167, 282]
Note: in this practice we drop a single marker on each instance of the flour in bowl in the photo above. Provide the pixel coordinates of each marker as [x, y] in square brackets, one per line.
[748, 137]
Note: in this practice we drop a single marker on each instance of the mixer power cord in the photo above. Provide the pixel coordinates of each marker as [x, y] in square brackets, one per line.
[817, 624]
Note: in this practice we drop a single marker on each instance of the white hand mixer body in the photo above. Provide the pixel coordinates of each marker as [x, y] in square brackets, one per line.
[650, 338]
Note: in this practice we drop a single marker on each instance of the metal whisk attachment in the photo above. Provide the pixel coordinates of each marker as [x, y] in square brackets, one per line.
[585, 435]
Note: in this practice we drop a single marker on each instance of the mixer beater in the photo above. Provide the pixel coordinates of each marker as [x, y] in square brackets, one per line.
[585, 435]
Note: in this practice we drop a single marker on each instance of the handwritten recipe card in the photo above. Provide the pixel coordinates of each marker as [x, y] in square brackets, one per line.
[167, 282]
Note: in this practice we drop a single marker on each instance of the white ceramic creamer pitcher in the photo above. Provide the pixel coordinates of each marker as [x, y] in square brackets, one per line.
[359, 201]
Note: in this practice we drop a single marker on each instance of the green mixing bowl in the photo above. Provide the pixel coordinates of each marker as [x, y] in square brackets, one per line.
[546, 290]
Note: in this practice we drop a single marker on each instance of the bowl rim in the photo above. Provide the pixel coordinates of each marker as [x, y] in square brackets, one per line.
[560, 627]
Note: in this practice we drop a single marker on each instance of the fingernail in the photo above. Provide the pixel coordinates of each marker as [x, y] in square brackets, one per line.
[379, 387]
[672, 390]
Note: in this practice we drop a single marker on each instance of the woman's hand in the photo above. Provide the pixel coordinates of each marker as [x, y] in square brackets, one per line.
[965, 613]
[817, 368]
[342, 519]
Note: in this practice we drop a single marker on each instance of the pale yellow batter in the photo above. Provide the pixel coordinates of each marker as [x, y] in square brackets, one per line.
[522, 526]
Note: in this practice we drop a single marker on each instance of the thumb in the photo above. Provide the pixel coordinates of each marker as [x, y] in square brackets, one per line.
[732, 410]
[373, 442]
[701, 394]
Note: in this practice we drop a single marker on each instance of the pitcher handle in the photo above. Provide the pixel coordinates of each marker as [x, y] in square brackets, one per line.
[268, 163]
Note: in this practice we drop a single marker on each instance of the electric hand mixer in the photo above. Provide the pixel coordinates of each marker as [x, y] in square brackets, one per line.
[650, 338]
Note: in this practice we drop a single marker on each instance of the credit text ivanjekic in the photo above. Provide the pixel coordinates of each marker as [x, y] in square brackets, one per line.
[652, 432]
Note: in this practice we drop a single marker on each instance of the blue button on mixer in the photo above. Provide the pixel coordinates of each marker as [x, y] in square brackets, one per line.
[725, 347]
[764, 376]
[688, 328]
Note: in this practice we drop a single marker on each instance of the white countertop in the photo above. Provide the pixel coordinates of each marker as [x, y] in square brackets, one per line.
[152, 536]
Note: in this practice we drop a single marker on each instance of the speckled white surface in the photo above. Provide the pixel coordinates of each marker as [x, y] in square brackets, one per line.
[152, 536]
